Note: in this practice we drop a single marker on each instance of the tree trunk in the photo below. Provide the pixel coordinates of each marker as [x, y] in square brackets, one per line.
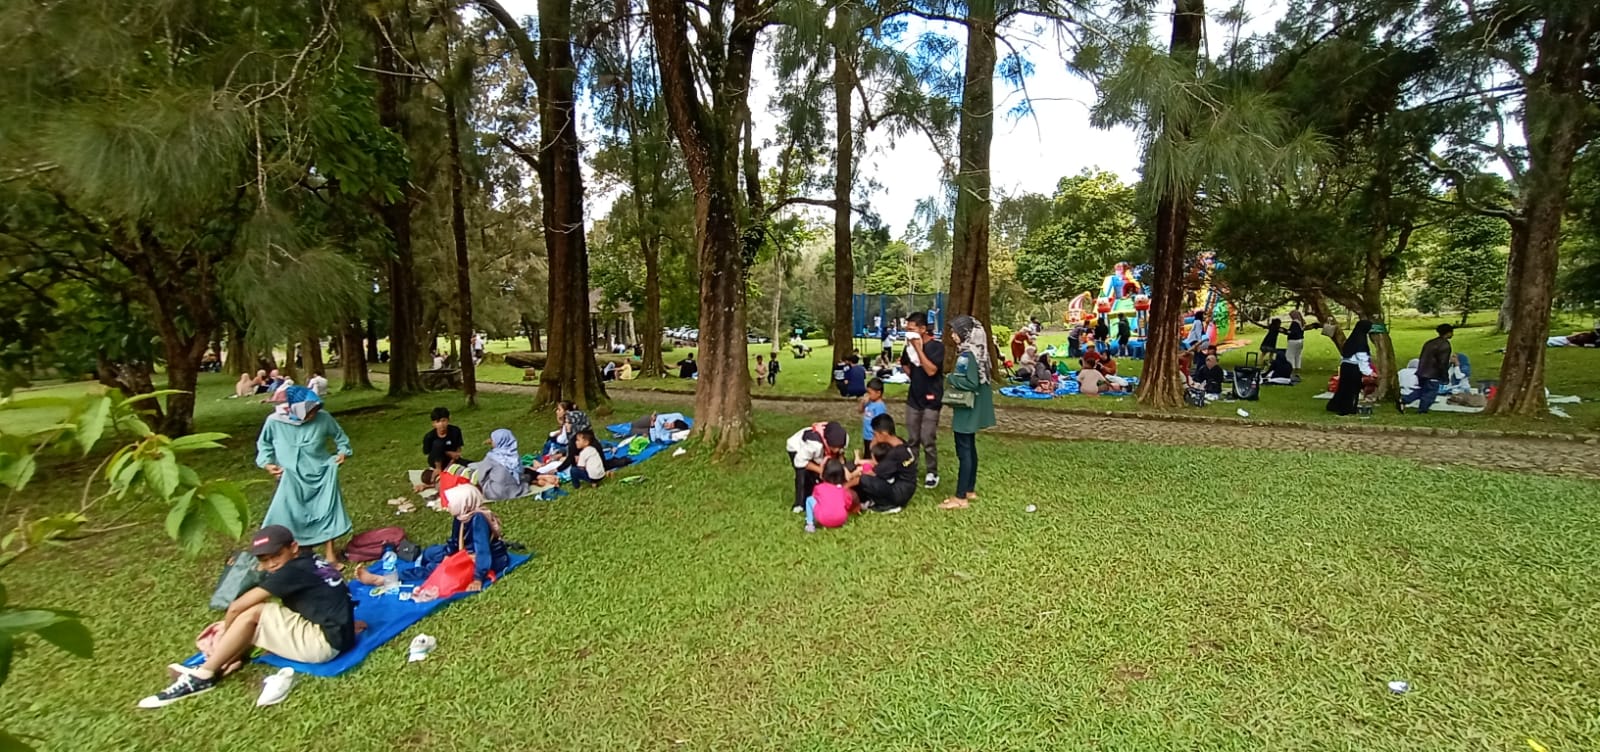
[654, 364]
[288, 366]
[458, 228]
[1502, 323]
[1553, 125]
[353, 358]
[183, 353]
[1163, 384]
[239, 358]
[373, 356]
[777, 298]
[570, 370]
[969, 262]
[130, 378]
[710, 142]
[394, 93]
[843, 178]
[312, 348]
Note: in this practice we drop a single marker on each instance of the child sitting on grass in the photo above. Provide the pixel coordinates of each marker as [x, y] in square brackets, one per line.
[831, 503]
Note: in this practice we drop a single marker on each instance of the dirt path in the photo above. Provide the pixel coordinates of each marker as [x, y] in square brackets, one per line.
[1571, 459]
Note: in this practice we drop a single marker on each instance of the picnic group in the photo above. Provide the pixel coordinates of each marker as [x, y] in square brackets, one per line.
[298, 603]
[296, 600]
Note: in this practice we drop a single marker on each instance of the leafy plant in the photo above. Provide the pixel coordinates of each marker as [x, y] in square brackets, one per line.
[145, 470]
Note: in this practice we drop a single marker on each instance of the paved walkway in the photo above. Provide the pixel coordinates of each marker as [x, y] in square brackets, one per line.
[1572, 459]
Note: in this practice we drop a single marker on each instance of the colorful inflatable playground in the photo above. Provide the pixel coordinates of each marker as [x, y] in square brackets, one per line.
[1123, 294]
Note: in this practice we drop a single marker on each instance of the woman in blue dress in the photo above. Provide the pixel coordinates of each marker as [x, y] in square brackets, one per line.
[294, 448]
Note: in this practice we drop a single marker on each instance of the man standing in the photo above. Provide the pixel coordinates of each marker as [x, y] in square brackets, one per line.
[923, 361]
[1433, 367]
[1123, 333]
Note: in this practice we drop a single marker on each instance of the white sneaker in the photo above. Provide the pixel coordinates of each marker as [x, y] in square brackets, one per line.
[932, 481]
[275, 688]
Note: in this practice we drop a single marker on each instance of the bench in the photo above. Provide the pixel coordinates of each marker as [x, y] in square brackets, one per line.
[441, 379]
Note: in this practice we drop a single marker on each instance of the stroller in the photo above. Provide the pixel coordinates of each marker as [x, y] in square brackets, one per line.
[1247, 378]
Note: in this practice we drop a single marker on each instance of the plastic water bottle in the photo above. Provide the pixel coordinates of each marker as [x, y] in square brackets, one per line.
[390, 560]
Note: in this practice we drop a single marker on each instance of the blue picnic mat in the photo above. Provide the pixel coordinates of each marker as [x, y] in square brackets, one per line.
[386, 617]
[652, 449]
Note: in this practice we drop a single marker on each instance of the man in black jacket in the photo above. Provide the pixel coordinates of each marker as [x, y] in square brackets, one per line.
[1433, 367]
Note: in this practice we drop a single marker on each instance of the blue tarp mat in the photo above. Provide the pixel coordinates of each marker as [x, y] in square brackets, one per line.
[621, 430]
[386, 616]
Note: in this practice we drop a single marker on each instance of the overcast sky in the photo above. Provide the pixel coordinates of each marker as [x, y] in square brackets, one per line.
[1030, 154]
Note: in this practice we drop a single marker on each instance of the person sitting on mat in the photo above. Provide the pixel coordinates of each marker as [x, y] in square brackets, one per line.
[590, 464]
[475, 530]
[313, 622]
[1209, 378]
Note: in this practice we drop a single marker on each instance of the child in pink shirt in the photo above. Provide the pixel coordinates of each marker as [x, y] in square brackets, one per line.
[830, 503]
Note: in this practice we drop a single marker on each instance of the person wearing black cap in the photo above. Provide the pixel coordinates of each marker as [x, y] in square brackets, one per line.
[809, 449]
[1433, 367]
[313, 622]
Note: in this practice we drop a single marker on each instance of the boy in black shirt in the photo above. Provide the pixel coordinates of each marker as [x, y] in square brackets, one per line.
[314, 622]
[443, 443]
[894, 471]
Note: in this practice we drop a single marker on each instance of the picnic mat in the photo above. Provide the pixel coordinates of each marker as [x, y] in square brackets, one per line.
[621, 430]
[1445, 407]
[386, 617]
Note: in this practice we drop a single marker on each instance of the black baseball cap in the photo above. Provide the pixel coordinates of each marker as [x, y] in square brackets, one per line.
[270, 540]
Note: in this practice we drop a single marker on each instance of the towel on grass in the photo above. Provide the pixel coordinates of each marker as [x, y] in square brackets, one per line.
[386, 616]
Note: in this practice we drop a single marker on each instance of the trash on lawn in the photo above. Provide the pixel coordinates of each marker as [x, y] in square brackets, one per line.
[1399, 687]
[680, 452]
[1242, 413]
[1031, 509]
[421, 646]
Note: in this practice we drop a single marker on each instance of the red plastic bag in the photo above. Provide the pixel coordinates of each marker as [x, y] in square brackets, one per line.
[453, 575]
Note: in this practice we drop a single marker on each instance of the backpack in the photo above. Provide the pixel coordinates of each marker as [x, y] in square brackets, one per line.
[368, 545]
[1194, 397]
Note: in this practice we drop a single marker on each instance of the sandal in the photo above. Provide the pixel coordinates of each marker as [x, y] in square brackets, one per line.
[954, 503]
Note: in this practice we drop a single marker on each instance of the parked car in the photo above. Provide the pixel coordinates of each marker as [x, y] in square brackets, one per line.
[754, 337]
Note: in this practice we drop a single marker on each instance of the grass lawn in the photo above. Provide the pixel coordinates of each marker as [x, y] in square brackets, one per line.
[1569, 371]
[1191, 599]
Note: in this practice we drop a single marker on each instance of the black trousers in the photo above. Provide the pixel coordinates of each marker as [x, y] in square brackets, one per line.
[879, 494]
[805, 482]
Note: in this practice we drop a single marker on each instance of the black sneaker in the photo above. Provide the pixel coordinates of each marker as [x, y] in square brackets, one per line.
[186, 686]
[931, 481]
[1399, 406]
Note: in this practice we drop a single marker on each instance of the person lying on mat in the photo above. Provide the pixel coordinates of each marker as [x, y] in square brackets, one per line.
[313, 621]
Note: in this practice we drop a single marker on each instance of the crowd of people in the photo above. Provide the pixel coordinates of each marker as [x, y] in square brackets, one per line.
[302, 608]
[830, 484]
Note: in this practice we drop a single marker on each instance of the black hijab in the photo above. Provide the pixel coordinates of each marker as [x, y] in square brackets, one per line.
[1357, 343]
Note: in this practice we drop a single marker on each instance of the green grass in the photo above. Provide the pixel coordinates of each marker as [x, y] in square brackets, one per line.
[1569, 371]
[1160, 599]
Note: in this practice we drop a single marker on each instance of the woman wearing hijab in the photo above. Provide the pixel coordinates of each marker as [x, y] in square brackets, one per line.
[500, 471]
[475, 530]
[971, 375]
[1356, 365]
[293, 447]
